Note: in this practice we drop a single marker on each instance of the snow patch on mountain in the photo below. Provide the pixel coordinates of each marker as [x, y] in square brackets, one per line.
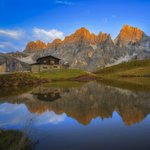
[122, 59]
[28, 59]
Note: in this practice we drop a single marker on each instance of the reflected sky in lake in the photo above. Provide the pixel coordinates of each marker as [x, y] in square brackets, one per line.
[18, 116]
[91, 116]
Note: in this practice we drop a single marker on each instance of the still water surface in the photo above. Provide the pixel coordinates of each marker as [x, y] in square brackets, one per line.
[90, 116]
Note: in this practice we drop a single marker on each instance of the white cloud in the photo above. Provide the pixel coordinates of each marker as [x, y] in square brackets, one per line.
[16, 40]
[18, 114]
[2, 46]
[47, 35]
[63, 2]
[15, 34]
[49, 117]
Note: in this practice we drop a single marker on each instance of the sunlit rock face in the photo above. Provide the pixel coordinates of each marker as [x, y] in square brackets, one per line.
[135, 41]
[32, 47]
[88, 51]
[83, 36]
[129, 35]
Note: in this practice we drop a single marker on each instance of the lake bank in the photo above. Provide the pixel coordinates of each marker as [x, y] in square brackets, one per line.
[33, 79]
[128, 74]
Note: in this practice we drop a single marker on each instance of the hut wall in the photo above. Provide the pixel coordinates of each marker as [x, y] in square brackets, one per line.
[48, 67]
[35, 68]
[2, 68]
[43, 68]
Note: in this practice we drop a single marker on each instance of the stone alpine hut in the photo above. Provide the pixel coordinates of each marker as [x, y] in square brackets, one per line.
[46, 63]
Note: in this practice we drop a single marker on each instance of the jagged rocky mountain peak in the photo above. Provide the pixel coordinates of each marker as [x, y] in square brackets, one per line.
[129, 35]
[82, 32]
[104, 37]
[35, 46]
[79, 37]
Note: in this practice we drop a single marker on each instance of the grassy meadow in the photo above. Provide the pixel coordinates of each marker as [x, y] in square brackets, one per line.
[133, 74]
[60, 74]
[21, 79]
[136, 68]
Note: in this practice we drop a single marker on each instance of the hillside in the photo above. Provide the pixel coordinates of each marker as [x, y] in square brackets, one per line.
[136, 68]
[13, 62]
[132, 75]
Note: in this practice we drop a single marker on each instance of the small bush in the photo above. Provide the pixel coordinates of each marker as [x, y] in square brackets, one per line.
[14, 140]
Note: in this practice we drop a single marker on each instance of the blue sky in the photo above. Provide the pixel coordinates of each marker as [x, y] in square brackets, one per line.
[25, 20]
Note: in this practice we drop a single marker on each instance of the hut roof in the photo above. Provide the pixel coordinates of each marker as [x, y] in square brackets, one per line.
[48, 57]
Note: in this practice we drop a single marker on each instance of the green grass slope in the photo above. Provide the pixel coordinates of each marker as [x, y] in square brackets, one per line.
[133, 75]
[19, 80]
[136, 68]
[60, 74]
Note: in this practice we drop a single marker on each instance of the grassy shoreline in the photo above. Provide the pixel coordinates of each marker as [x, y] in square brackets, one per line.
[133, 72]
[20, 80]
[32, 79]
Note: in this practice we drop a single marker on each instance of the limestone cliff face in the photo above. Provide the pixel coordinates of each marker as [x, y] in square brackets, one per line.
[55, 44]
[13, 64]
[129, 35]
[135, 41]
[85, 37]
[35, 46]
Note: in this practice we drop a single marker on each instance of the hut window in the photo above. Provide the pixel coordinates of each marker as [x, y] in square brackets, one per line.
[55, 66]
[44, 67]
[52, 62]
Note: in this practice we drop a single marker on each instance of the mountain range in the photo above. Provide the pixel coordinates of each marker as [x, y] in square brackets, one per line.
[88, 51]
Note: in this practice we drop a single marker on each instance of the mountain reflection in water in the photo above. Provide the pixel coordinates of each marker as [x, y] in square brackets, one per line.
[85, 103]
[47, 94]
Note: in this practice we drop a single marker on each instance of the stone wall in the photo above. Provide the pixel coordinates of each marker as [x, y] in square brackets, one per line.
[2, 68]
[43, 68]
[35, 68]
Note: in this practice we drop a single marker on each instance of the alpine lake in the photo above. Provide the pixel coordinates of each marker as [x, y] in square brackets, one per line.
[79, 116]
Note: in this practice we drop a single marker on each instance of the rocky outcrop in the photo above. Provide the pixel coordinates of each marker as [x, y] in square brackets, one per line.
[135, 41]
[33, 47]
[83, 36]
[17, 54]
[13, 64]
[55, 44]
[129, 36]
